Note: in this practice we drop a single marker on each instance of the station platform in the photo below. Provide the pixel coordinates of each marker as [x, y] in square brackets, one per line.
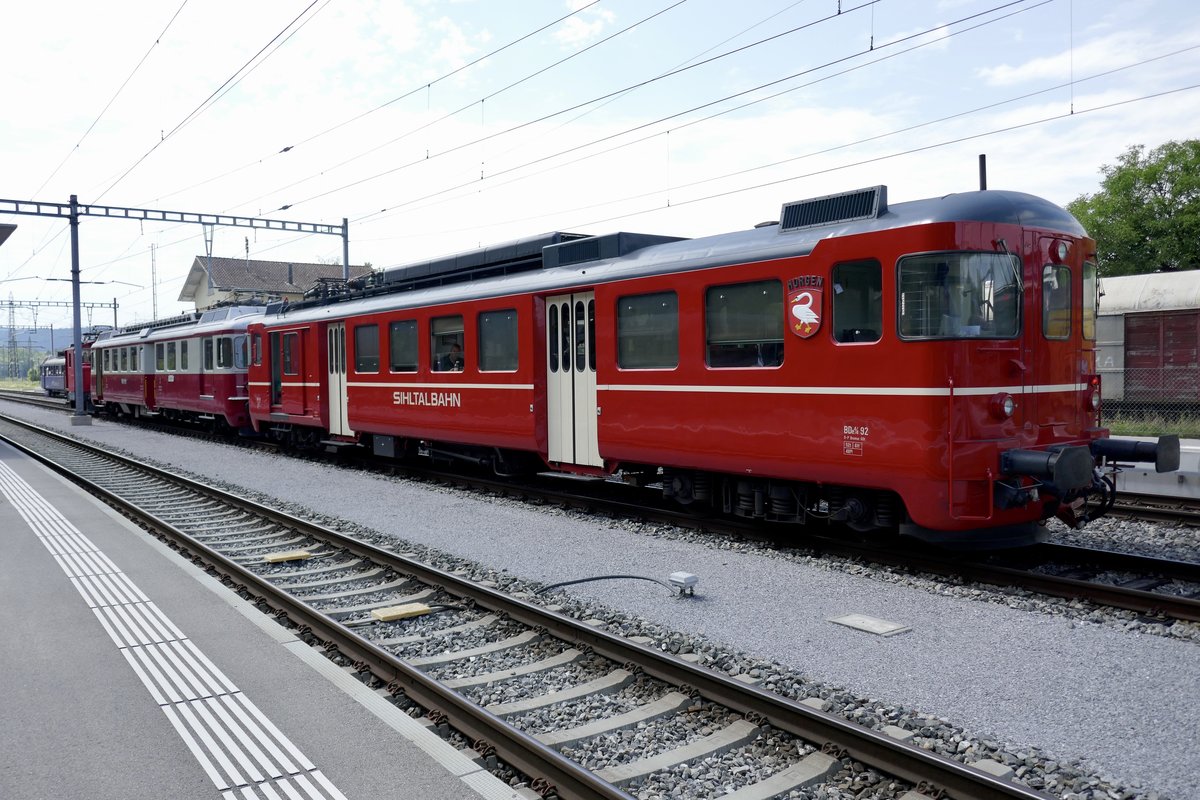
[129, 673]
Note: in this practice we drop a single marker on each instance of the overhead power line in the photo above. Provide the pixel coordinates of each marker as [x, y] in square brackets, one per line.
[409, 93]
[113, 99]
[219, 92]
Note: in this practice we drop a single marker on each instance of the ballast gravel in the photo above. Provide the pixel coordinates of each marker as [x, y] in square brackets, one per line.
[1081, 702]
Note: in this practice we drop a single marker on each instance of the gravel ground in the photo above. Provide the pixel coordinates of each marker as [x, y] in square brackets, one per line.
[1083, 702]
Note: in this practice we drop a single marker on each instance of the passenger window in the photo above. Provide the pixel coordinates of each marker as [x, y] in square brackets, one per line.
[124, 359]
[135, 358]
[403, 350]
[959, 296]
[647, 331]
[1091, 300]
[552, 337]
[1056, 301]
[291, 354]
[106, 360]
[743, 324]
[225, 352]
[184, 346]
[498, 341]
[446, 343]
[366, 348]
[208, 353]
[857, 301]
[170, 356]
[160, 361]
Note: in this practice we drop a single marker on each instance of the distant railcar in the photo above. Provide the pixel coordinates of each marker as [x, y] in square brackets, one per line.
[190, 368]
[53, 376]
[1148, 347]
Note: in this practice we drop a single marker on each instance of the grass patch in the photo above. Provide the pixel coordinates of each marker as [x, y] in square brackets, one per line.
[19, 384]
[1132, 424]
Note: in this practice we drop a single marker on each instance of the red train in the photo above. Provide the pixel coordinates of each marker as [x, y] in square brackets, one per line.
[190, 368]
[927, 366]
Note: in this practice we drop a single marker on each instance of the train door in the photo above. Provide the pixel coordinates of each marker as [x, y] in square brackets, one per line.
[573, 430]
[335, 359]
[206, 367]
[1059, 362]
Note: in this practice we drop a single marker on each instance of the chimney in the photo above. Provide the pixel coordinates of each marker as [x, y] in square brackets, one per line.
[290, 274]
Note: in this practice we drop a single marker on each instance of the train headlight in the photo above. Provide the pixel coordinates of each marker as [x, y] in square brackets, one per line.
[1093, 398]
[1059, 251]
[1003, 405]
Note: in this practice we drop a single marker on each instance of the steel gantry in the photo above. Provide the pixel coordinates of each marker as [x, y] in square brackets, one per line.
[73, 210]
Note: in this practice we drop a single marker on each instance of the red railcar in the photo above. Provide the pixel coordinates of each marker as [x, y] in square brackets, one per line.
[928, 365]
[68, 355]
[190, 368]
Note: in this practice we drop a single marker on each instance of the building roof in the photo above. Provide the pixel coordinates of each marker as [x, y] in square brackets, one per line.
[268, 277]
[1152, 291]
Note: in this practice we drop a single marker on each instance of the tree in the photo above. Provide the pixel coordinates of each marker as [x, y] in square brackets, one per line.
[1146, 216]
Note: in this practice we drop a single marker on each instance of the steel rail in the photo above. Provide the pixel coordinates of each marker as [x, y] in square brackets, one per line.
[892, 756]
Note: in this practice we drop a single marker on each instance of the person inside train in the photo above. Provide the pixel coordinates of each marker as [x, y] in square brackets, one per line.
[452, 361]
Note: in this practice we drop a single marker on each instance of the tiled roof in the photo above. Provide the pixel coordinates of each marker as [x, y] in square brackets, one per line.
[264, 276]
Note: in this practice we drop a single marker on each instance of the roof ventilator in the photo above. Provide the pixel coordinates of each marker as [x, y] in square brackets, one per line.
[844, 207]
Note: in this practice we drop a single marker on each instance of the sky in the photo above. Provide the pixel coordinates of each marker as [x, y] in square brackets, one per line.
[438, 126]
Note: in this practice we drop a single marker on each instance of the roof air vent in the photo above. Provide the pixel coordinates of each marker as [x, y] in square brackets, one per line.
[844, 207]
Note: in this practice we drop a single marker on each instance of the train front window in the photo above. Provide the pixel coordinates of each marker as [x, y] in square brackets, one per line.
[1056, 301]
[1091, 299]
[959, 296]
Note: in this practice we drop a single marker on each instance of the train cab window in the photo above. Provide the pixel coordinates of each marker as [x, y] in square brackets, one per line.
[743, 324]
[241, 355]
[402, 346]
[959, 296]
[224, 352]
[366, 348]
[160, 359]
[1056, 301]
[857, 301]
[498, 341]
[647, 332]
[446, 343]
[208, 353]
[1091, 300]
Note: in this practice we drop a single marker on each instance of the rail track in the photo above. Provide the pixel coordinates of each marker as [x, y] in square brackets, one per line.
[1161, 588]
[1158, 508]
[466, 653]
